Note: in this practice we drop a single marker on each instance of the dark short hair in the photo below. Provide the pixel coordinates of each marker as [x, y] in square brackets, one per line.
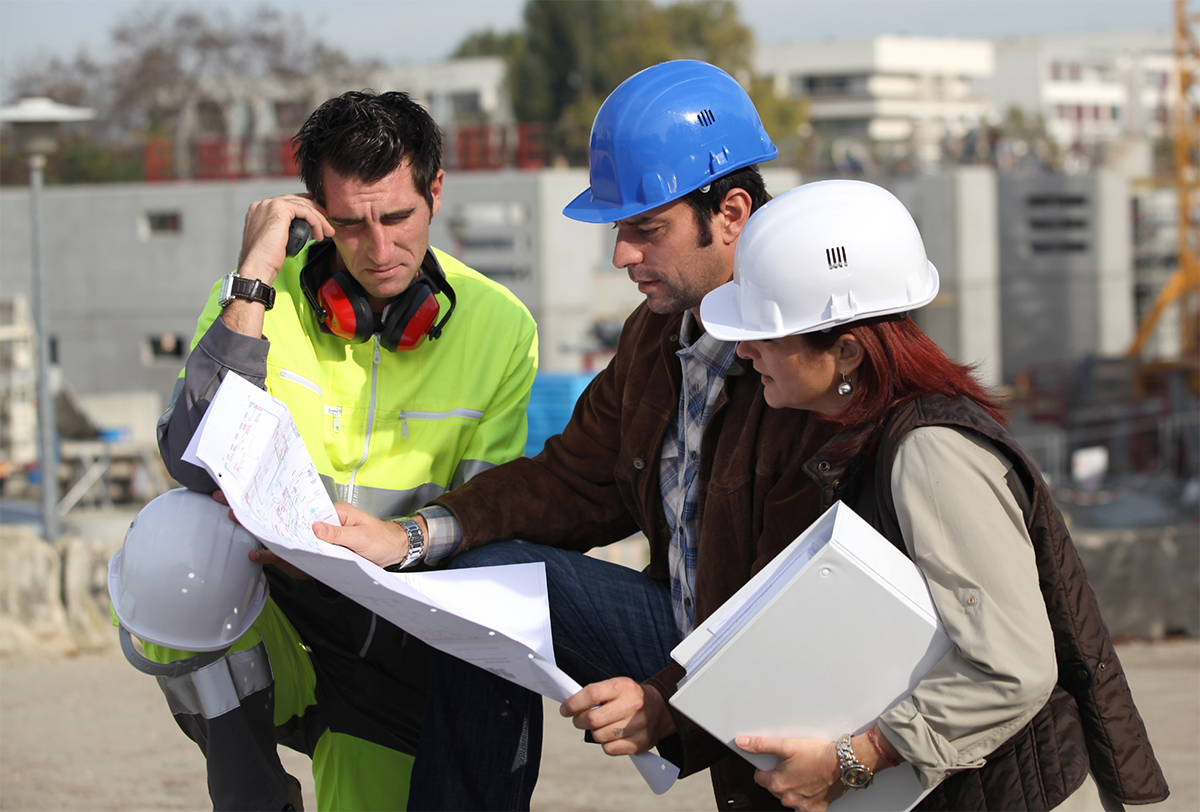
[706, 201]
[367, 135]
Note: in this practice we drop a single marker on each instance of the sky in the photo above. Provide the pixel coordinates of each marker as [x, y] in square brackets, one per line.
[425, 30]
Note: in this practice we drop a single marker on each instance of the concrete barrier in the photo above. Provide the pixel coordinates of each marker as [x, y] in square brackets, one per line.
[32, 614]
[1147, 580]
[56, 598]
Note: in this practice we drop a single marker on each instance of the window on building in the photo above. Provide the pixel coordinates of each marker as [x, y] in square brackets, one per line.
[1056, 71]
[466, 104]
[1052, 199]
[164, 222]
[1058, 247]
[164, 347]
[161, 223]
[847, 85]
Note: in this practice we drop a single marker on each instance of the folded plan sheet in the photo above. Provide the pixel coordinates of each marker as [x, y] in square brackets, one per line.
[497, 618]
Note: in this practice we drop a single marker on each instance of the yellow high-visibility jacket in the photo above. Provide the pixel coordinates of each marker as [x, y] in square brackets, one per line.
[388, 431]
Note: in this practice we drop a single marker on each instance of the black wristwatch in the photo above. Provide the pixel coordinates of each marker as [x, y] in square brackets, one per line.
[238, 287]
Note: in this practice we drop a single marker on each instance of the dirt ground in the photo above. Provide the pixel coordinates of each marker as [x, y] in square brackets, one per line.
[90, 733]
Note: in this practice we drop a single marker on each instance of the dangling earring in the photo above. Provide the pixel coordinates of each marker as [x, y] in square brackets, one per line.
[845, 387]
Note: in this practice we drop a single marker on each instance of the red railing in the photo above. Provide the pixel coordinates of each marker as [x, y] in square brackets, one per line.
[473, 147]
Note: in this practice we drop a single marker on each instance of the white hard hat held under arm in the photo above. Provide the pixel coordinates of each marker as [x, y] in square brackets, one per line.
[820, 255]
[183, 578]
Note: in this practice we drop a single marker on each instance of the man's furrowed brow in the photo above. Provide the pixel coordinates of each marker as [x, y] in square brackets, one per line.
[635, 221]
[398, 214]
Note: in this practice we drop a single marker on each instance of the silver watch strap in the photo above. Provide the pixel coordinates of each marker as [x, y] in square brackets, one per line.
[416, 543]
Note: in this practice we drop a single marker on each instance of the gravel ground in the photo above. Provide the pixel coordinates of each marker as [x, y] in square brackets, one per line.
[90, 733]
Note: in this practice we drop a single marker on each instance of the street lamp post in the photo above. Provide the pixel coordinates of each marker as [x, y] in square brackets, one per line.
[35, 122]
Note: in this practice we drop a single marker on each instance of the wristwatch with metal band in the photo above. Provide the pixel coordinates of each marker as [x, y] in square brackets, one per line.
[416, 544]
[855, 774]
[239, 287]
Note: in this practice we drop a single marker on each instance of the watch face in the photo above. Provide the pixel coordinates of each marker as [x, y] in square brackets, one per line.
[857, 777]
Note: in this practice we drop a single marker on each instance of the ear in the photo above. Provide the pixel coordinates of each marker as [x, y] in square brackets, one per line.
[732, 215]
[849, 354]
[435, 192]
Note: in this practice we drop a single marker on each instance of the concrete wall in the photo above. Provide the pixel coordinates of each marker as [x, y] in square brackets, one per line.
[112, 284]
[1147, 581]
[1065, 268]
[956, 213]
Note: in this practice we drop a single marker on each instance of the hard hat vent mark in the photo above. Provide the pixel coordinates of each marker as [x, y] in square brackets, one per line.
[706, 118]
[836, 257]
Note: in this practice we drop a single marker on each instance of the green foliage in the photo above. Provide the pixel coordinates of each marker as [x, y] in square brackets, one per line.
[85, 162]
[710, 31]
[489, 43]
[781, 116]
[570, 54]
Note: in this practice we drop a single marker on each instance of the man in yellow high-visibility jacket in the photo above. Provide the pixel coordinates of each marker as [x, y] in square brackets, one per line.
[396, 401]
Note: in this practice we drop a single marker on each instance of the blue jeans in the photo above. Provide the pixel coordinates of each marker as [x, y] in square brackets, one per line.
[481, 741]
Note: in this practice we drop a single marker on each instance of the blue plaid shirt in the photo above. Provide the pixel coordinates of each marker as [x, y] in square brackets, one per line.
[704, 366]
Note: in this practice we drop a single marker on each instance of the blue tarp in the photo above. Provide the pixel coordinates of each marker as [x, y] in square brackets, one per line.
[551, 402]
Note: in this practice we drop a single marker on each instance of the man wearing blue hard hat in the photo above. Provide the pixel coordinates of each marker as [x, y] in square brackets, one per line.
[672, 439]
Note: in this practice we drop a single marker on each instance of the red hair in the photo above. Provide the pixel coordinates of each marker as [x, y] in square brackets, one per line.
[901, 363]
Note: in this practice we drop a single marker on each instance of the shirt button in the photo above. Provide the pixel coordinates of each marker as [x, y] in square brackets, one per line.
[971, 601]
[675, 337]
[822, 467]
[639, 463]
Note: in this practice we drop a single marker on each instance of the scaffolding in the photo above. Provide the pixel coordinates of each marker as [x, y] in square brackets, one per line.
[1183, 287]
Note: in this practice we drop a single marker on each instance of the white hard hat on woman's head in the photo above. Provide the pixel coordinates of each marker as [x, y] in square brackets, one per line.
[820, 255]
[183, 578]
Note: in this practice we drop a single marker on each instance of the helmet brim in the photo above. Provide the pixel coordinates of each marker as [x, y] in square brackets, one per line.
[586, 209]
[182, 642]
[720, 312]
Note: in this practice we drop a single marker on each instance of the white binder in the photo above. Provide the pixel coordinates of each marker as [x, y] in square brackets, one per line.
[838, 628]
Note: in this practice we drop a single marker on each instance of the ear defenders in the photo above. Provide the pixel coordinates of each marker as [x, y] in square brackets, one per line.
[343, 309]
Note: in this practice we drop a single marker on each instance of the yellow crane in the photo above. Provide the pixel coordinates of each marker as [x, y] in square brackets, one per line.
[1183, 287]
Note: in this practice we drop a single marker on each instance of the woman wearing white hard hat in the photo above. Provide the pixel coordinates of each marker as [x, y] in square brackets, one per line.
[1030, 709]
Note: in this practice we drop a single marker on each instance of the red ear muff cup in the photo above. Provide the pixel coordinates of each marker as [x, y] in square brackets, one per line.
[416, 330]
[347, 313]
[410, 317]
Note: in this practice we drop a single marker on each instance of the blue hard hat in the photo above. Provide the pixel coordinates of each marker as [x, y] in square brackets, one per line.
[664, 132]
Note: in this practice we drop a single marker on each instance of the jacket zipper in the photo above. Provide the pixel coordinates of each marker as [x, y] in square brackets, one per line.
[469, 414]
[288, 375]
[351, 488]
